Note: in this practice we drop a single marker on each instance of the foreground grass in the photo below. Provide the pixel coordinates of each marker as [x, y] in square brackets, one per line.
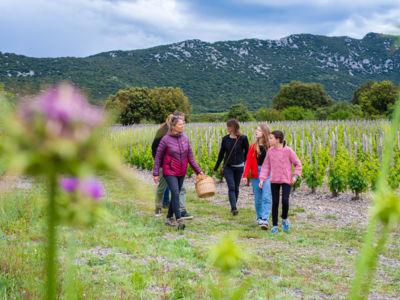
[133, 255]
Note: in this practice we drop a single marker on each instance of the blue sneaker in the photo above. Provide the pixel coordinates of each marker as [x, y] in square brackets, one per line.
[274, 230]
[285, 224]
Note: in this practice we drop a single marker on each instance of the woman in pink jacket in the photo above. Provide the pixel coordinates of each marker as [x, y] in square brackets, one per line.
[279, 164]
[173, 154]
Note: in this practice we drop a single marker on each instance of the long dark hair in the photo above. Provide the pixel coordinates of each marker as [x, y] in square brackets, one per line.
[234, 124]
[279, 135]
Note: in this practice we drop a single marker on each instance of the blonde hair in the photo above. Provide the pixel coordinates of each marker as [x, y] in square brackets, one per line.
[173, 119]
[264, 139]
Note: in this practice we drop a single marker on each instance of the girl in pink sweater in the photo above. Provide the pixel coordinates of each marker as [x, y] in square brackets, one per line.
[278, 163]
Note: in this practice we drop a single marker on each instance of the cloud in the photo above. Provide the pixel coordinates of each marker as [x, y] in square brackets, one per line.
[357, 25]
[84, 27]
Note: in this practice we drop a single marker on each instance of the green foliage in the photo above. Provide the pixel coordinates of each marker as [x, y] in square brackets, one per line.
[6, 96]
[135, 105]
[269, 114]
[337, 176]
[239, 112]
[340, 111]
[357, 178]
[313, 175]
[305, 95]
[165, 100]
[366, 86]
[393, 177]
[378, 99]
[293, 113]
[385, 217]
[208, 118]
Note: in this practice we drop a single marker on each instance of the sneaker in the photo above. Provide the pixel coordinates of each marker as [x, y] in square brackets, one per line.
[285, 224]
[274, 229]
[158, 212]
[181, 225]
[235, 212]
[264, 226]
[170, 222]
[186, 216]
[259, 222]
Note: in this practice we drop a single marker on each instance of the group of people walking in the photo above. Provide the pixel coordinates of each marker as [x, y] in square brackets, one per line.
[268, 162]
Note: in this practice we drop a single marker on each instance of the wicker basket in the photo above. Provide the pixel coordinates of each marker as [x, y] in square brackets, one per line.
[205, 186]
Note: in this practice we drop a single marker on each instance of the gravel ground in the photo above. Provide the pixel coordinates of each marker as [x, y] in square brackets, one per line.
[319, 207]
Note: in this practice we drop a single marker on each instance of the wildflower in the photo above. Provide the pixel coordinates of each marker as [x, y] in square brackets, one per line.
[64, 112]
[92, 187]
[69, 184]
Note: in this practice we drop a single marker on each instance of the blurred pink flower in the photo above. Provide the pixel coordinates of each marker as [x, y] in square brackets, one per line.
[92, 187]
[69, 184]
[64, 108]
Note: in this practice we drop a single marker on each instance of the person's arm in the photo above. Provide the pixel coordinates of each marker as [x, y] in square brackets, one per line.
[160, 152]
[192, 161]
[154, 146]
[297, 166]
[220, 155]
[247, 166]
[245, 147]
[265, 170]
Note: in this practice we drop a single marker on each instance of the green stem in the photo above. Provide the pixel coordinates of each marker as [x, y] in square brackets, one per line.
[368, 259]
[71, 269]
[51, 242]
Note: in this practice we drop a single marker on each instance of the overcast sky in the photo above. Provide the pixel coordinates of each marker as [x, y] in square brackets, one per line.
[52, 28]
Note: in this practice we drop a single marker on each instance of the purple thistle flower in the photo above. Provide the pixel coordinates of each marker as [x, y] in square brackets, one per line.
[69, 184]
[92, 187]
[63, 107]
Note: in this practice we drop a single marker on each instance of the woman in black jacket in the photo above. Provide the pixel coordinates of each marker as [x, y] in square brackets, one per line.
[233, 167]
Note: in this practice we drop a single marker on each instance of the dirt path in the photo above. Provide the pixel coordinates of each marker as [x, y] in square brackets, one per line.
[320, 208]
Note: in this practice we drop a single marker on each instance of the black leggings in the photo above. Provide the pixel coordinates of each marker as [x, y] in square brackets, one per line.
[175, 184]
[233, 175]
[275, 191]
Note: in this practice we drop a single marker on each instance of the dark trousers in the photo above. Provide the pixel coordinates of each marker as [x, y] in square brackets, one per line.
[233, 175]
[275, 191]
[165, 201]
[175, 184]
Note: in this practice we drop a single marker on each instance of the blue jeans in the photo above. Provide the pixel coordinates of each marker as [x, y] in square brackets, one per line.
[262, 198]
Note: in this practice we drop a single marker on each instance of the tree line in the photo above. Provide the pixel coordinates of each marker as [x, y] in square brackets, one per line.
[294, 101]
[309, 101]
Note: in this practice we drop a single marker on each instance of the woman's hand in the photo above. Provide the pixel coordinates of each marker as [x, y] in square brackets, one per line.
[244, 179]
[294, 179]
[261, 184]
[155, 178]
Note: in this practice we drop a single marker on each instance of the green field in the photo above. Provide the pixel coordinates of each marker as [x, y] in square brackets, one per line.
[133, 255]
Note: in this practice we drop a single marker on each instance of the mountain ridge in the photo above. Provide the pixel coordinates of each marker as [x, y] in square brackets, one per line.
[216, 75]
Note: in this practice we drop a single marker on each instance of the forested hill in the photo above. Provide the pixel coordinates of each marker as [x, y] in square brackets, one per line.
[215, 75]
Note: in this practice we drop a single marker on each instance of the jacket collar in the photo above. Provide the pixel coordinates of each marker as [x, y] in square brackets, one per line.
[176, 135]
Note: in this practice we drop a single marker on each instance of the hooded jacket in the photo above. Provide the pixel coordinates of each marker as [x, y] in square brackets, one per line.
[177, 153]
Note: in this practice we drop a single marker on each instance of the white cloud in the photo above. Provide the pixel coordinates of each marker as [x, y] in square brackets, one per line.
[357, 25]
[345, 4]
[85, 27]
